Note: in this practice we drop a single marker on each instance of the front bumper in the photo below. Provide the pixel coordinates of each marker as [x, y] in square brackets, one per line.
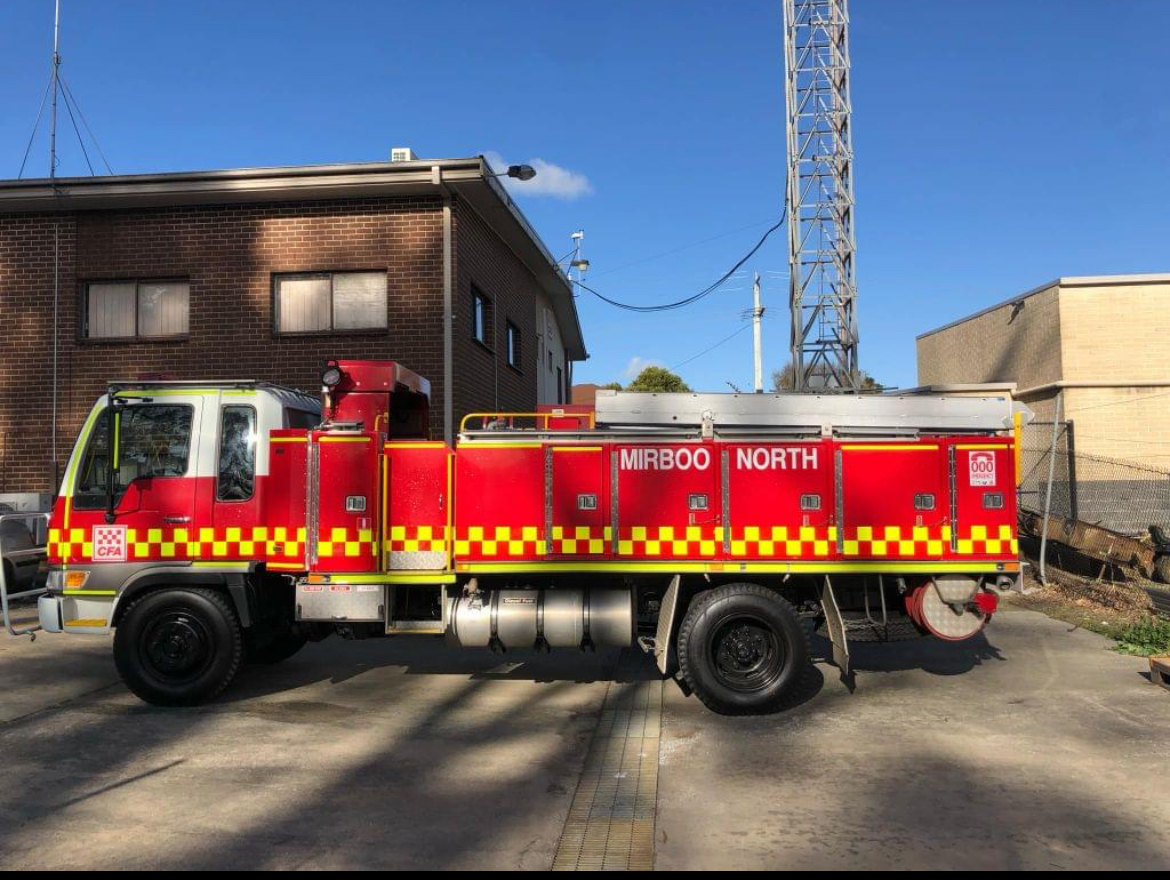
[74, 614]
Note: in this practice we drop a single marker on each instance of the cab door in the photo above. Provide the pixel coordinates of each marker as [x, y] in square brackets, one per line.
[234, 494]
[145, 448]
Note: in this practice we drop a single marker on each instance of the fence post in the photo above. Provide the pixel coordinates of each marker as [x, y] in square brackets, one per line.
[1074, 510]
[1048, 491]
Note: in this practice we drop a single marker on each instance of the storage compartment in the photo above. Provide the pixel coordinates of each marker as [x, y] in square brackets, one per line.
[341, 602]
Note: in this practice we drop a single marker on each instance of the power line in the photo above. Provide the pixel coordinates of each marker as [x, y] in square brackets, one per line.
[712, 348]
[680, 248]
[664, 307]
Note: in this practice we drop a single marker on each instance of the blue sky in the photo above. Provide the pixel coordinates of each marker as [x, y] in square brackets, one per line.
[999, 143]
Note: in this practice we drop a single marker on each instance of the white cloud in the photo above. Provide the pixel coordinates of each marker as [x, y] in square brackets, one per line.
[636, 365]
[551, 179]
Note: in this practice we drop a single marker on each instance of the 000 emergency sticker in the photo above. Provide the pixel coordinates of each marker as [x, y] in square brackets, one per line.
[982, 465]
[109, 543]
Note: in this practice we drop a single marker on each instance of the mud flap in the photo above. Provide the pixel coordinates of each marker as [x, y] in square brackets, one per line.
[836, 627]
[665, 634]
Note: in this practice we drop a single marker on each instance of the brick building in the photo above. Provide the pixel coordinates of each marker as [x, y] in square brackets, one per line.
[263, 274]
[1102, 343]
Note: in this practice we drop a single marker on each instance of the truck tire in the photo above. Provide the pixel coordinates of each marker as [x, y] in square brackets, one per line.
[274, 649]
[742, 649]
[179, 646]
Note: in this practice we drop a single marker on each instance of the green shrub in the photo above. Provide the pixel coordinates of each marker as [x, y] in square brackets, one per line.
[1146, 638]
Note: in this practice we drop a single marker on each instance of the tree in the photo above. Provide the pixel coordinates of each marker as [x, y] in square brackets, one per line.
[612, 386]
[784, 379]
[658, 379]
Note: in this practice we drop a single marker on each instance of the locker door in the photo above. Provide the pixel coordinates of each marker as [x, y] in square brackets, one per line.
[893, 501]
[576, 501]
[985, 500]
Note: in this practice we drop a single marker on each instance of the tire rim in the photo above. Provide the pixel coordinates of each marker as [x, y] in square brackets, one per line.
[746, 653]
[176, 646]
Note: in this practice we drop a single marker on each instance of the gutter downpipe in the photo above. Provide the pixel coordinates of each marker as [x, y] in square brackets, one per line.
[1048, 491]
[448, 310]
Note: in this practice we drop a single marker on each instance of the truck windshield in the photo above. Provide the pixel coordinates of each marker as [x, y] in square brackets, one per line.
[155, 441]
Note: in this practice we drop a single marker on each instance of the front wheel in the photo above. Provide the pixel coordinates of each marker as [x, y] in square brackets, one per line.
[742, 650]
[178, 647]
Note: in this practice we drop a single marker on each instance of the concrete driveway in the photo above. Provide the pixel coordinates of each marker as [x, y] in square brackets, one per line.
[1035, 747]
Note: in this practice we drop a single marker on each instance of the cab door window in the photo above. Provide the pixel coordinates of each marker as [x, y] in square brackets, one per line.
[154, 441]
[236, 472]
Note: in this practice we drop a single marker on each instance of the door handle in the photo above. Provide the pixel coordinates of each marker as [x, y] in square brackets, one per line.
[176, 520]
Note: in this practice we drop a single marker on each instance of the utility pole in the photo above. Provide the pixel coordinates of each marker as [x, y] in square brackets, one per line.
[757, 319]
[822, 286]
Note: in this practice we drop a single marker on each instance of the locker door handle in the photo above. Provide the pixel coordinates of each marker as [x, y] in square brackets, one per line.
[176, 520]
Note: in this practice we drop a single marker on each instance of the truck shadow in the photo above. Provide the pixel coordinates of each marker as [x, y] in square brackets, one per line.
[931, 655]
[335, 661]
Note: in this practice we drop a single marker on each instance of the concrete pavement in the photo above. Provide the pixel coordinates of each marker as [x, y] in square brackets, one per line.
[1030, 747]
[1034, 747]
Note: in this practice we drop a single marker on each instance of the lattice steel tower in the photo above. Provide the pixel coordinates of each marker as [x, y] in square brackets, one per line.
[822, 287]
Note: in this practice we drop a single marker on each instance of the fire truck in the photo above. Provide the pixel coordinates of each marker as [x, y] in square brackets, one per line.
[208, 524]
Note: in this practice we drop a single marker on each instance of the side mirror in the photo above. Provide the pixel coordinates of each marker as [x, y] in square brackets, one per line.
[114, 426]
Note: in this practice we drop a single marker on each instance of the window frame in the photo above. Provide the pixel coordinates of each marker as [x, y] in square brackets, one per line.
[332, 330]
[223, 407]
[514, 350]
[488, 323]
[83, 310]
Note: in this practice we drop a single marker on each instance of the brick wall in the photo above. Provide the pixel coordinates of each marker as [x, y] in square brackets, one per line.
[229, 254]
[483, 378]
[1001, 345]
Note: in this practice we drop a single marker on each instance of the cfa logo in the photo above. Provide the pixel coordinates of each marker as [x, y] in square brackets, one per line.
[109, 543]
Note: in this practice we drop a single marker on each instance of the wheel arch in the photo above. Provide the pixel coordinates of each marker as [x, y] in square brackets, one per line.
[237, 586]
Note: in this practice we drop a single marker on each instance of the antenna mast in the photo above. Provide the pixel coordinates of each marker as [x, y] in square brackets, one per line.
[822, 287]
[56, 81]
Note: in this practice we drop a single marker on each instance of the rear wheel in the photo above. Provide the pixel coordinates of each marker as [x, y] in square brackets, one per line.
[178, 647]
[742, 649]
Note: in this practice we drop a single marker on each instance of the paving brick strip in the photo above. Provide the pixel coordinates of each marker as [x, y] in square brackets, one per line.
[610, 825]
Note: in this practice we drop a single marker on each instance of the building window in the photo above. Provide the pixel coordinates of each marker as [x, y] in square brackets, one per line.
[481, 316]
[236, 477]
[324, 302]
[513, 345]
[560, 386]
[136, 309]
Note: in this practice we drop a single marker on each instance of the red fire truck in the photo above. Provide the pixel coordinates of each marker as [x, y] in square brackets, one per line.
[209, 523]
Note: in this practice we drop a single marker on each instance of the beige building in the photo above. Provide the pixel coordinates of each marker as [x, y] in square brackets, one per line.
[1101, 343]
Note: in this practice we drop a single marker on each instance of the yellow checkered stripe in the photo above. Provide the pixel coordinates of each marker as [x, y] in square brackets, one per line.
[679, 542]
[896, 541]
[274, 543]
[415, 539]
[783, 541]
[346, 543]
[500, 541]
[581, 540]
[988, 540]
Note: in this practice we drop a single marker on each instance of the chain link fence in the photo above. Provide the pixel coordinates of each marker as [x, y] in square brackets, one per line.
[1118, 495]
